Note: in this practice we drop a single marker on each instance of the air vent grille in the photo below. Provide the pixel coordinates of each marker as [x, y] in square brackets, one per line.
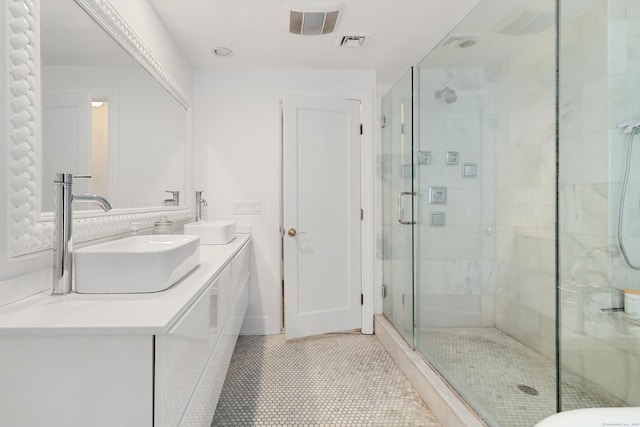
[352, 41]
[312, 23]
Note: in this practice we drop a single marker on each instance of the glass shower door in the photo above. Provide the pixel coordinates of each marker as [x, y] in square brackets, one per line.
[484, 238]
[396, 167]
[599, 223]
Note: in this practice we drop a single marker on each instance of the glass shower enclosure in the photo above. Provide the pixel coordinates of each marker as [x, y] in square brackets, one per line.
[503, 170]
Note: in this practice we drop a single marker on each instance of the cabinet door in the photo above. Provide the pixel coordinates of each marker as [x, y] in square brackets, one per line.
[225, 295]
[76, 380]
[181, 355]
[240, 267]
[205, 399]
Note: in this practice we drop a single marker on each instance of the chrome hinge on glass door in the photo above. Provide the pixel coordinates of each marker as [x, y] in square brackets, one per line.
[400, 210]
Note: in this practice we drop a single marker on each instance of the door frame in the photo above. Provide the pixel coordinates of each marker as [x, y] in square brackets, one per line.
[367, 235]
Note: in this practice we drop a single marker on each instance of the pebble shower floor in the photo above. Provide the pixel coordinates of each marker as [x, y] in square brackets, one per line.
[325, 380]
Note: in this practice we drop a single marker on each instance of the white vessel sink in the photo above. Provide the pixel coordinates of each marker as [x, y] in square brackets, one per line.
[212, 232]
[138, 264]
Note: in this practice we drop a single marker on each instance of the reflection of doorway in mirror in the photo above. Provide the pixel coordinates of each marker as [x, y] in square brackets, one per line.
[100, 146]
[66, 129]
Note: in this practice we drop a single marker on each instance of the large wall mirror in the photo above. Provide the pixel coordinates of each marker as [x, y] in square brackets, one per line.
[88, 97]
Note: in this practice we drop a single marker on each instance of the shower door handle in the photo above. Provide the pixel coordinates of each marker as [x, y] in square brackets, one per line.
[400, 195]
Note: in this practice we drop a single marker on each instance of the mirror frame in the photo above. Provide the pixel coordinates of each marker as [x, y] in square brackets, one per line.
[30, 231]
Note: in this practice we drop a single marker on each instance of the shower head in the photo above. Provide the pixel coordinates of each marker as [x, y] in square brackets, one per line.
[630, 126]
[448, 95]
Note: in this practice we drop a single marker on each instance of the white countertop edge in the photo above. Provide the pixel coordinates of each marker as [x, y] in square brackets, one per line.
[117, 314]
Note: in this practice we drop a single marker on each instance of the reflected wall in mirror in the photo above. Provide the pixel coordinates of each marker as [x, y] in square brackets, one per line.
[104, 115]
[146, 140]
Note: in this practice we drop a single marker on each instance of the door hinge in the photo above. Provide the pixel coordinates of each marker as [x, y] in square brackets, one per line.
[361, 214]
[361, 299]
[361, 130]
[383, 121]
[384, 291]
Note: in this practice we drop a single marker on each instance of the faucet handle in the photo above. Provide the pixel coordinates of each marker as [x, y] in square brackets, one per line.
[67, 178]
[199, 199]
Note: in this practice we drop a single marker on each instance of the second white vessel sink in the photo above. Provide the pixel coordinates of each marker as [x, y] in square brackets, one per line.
[137, 264]
[212, 232]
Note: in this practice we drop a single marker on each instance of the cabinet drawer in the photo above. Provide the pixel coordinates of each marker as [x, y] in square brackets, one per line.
[240, 267]
[224, 297]
[181, 355]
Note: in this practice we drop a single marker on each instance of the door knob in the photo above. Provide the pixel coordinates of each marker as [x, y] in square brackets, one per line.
[292, 232]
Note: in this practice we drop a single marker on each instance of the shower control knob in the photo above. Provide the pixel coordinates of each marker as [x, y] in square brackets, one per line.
[292, 232]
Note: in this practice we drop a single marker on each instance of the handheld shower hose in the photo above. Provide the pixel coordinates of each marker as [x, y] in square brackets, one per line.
[629, 128]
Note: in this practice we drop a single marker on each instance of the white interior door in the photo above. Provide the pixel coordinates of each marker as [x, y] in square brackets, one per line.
[321, 215]
[66, 145]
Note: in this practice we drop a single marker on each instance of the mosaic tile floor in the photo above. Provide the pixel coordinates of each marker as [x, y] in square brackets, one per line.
[325, 380]
[489, 365]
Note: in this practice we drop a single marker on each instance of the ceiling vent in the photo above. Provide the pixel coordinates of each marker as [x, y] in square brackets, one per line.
[311, 18]
[352, 41]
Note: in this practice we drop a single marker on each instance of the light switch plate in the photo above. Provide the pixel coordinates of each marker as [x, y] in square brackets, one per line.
[246, 207]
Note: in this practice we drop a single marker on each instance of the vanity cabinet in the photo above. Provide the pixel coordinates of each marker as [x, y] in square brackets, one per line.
[198, 347]
[112, 371]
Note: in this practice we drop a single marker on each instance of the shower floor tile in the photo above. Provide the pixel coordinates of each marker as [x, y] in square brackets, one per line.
[325, 380]
[487, 366]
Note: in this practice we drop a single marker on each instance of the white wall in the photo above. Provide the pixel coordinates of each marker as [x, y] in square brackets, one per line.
[139, 14]
[238, 158]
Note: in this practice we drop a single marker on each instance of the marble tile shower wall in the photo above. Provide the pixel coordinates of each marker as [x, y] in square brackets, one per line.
[525, 194]
[494, 265]
[600, 80]
[623, 81]
[456, 276]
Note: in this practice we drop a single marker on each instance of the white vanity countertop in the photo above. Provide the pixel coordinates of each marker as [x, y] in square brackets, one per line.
[111, 314]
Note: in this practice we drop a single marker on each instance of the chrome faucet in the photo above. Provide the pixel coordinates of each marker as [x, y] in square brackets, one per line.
[63, 199]
[200, 202]
[174, 200]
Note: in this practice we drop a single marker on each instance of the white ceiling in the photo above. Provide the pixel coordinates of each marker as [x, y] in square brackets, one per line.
[401, 33]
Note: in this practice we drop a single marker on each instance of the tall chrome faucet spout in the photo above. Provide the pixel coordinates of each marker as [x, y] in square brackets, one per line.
[93, 198]
[62, 237]
[200, 202]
